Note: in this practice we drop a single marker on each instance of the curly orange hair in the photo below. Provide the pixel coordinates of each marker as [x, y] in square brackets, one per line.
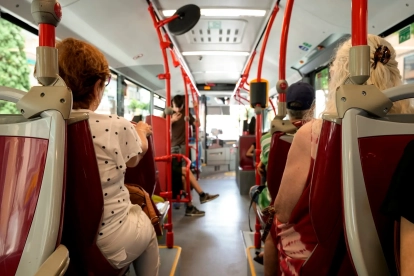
[80, 66]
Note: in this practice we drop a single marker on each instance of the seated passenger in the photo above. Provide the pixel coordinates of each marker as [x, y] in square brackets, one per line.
[178, 147]
[295, 235]
[126, 234]
[300, 97]
[250, 151]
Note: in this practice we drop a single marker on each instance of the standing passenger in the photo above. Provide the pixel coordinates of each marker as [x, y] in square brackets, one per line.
[178, 147]
[126, 234]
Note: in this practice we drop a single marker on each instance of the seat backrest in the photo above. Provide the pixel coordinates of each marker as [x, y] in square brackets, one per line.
[31, 190]
[84, 203]
[21, 171]
[159, 135]
[145, 173]
[246, 163]
[279, 149]
[330, 255]
[375, 148]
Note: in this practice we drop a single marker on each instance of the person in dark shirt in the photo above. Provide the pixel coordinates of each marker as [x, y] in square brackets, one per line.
[178, 147]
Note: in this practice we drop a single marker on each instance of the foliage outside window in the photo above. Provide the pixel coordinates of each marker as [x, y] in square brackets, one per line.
[136, 101]
[15, 65]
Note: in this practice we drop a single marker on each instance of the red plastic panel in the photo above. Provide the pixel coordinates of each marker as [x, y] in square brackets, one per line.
[144, 174]
[330, 256]
[159, 135]
[22, 163]
[83, 206]
[246, 163]
[379, 158]
[279, 150]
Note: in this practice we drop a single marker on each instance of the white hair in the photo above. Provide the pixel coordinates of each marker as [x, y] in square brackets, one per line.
[384, 76]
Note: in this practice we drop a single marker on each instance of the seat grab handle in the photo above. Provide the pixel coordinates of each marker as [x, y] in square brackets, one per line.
[11, 94]
[401, 92]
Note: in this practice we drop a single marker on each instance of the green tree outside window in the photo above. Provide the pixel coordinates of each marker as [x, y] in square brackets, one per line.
[14, 69]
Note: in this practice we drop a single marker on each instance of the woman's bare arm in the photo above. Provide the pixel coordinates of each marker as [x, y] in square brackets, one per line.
[295, 175]
[406, 247]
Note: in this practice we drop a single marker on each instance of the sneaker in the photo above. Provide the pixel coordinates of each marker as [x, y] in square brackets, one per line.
[194, 212]
[207, 198]
[177, 205]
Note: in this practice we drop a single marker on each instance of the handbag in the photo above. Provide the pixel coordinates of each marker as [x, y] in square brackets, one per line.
[140, 197]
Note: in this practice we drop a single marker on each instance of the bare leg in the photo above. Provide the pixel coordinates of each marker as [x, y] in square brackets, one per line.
[270, 261]
[193, 181]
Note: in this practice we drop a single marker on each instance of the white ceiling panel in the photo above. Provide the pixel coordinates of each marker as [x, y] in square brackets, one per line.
[240, 4]
[124, 29]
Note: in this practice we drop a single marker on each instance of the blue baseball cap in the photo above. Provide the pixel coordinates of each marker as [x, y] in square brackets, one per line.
[302, 94]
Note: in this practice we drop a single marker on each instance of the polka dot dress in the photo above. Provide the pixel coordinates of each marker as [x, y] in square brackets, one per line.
[115, 141]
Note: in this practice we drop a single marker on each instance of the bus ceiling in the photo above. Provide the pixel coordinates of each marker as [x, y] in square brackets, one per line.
[217, 49]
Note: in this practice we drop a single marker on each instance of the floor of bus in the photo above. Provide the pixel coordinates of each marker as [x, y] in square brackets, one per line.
[213, 244]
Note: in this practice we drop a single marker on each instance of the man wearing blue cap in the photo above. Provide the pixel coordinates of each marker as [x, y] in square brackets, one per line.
[299, 99]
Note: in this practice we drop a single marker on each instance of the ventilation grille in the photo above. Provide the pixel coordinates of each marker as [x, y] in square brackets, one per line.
[217, 32]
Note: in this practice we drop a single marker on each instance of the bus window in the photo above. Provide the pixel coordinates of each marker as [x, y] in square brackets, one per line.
[321, 90]
[403, 42]
[136, 101]
[17, 60]
[159, 102]
[158, 112]
[108, 102]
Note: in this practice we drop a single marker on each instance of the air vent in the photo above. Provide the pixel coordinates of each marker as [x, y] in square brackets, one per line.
[217, 31]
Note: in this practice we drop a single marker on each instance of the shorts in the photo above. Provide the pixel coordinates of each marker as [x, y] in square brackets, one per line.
[179, 150]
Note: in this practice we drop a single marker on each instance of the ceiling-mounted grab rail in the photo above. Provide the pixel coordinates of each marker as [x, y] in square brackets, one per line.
[173, 42]
[256, 44]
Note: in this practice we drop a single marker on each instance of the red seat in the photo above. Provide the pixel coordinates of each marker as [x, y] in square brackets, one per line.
[145, 173]
[330, 256]
[279, 149]
[160, 149]
[84, 204]
[373, 155]
[32, 181]
[246, 163]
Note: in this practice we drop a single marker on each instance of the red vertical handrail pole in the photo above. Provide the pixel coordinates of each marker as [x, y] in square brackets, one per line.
[47, 35]
[249, 65]
[359, 22]
[265, 39]
[283, 45]
[257, 241]
[187, 176]
[164, 45]
[187, 117]
[196, 125]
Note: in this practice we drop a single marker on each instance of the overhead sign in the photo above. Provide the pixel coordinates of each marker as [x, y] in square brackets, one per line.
[214, 24]
[404, 34]
[305, 46]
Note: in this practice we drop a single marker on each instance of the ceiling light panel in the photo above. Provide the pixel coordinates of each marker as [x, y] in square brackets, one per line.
[215, 53]
[217, 32]
[224, 12]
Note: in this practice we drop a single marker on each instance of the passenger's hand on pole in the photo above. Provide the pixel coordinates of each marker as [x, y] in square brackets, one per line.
[144, 128]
